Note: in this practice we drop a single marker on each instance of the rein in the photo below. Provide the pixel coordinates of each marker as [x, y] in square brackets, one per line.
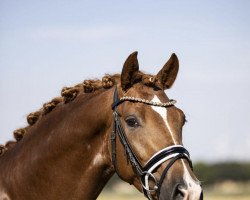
[172, 153]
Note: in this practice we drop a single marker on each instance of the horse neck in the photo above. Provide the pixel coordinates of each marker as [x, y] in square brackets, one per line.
[65, 152]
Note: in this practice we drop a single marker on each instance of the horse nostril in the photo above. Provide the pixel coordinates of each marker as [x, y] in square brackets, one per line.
[201, 197]
[179, 192]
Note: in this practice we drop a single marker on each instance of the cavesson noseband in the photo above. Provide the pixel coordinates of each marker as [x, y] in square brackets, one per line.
[172, 153]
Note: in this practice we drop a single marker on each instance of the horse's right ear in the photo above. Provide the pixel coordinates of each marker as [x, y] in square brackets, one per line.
[129, 71]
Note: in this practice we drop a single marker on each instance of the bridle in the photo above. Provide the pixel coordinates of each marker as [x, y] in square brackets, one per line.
[172, 153]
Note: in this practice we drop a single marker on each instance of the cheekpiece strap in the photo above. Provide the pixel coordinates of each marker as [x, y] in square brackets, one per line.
[118, 129]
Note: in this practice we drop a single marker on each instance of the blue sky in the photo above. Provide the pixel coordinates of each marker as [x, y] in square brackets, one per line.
[45, 45]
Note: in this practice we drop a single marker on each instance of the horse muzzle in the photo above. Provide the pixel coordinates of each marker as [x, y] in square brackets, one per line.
[181, 192]
[180, 184]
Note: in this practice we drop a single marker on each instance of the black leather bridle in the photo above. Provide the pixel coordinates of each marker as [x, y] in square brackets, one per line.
[171, 153]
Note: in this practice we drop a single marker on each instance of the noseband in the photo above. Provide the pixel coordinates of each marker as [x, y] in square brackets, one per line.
[171, 153]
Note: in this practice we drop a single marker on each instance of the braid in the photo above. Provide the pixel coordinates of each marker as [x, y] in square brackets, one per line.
[33, 117]
[68, 94]
[107, 81]
[19, 133]
[47, 107]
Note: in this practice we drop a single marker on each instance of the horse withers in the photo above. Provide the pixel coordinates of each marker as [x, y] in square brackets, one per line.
[123, 124]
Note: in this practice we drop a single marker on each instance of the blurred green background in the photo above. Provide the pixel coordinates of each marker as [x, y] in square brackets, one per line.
[221, 181]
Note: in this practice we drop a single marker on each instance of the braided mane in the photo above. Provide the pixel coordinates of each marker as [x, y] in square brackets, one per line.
[68, 94]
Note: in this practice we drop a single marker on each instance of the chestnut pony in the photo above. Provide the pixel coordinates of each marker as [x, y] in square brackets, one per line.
[122, 124]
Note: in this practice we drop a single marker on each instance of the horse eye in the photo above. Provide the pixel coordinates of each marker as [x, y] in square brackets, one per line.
[132, 122]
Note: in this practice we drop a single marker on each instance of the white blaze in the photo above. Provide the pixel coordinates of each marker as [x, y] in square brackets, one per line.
[162, 111]
[194, 189]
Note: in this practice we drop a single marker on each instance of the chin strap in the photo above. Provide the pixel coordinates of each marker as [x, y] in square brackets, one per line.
[171, 153]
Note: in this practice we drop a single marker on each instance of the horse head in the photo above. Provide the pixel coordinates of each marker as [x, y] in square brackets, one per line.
[147, 129]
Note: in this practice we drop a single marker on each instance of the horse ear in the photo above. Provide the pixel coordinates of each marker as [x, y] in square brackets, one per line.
[168, 73]
[129, 71]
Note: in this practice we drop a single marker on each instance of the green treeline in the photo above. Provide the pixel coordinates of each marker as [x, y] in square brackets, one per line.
[209, 174]
[217, 172]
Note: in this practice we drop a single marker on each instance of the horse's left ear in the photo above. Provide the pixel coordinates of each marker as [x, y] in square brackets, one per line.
[129, 71]
[168, 73]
